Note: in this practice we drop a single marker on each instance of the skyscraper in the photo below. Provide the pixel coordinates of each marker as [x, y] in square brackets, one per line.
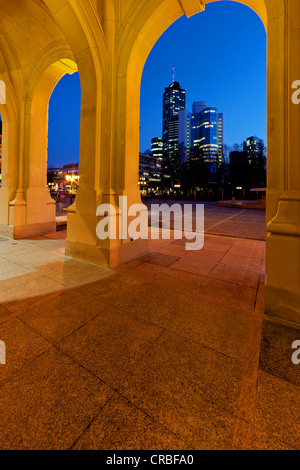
[221, 137]
[157, 152]
[203, 129]
[173, 101]
[198, 106]
[254, 148]
[209, 121]
[184, 135]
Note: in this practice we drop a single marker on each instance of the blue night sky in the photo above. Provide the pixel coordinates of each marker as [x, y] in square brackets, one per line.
[64, 122]
[219, 57]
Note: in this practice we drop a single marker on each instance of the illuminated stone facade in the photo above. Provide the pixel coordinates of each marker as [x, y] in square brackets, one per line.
[108, 42]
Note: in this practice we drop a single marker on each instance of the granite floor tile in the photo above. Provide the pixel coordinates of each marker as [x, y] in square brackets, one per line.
[4, 312]
[140, 270]
[17, 248]
[189, 388]
[7, 266]
[243, 261]
[111, 284]
[160, 259]
[229, 293]
[35, 257]
[25, 294]
[277, 412]
[212, 325]
[180, 281]
[169, 332]
[171, 249]
[194, 266]
[22, 345]
[18, 277]
[265, 441]
[236, 275]
[111, 344]
[49, 404]
[120, 425]
[153, 303]
[276, 352]
[210, 254]
[69, 270]
[58, 318]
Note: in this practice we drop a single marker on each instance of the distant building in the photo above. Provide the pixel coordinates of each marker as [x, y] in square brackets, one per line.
[71, 169]
[157, 152]
[148, 175]
[209, 137]
[255, 149]
[201, 134]
[221, 138]
[239, 175]
[63, 178]
[184, 135]
[198, 107]
[174, 99]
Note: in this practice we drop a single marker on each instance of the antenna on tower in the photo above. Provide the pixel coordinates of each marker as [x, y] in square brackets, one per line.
[173, 67]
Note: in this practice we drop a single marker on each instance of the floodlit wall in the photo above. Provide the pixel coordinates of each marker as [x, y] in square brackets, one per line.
[109, 41]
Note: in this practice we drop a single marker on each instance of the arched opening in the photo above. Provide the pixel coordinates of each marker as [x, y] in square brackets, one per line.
[220, 59]
[63, 146]
[38, 192]
[162, 16]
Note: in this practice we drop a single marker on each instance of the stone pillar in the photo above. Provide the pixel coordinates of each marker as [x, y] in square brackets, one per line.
[27, 208]
[102, 169]
[12, 195]
[9, 182]
[283, 242]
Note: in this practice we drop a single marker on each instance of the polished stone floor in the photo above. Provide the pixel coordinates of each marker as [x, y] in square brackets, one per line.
[169, 351]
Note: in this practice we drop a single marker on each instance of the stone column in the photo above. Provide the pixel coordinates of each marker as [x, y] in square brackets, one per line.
[104, 175]
[9, 183]
[283, 242]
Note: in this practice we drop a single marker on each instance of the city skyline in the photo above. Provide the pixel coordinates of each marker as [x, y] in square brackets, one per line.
[235, 61]
[238, 34]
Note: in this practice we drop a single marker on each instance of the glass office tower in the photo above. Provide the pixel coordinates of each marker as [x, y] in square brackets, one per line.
[209, 137]
[221, 138]
[157, 152]
[198, 107]
[254, 148]
[173, 101]
[184, 135]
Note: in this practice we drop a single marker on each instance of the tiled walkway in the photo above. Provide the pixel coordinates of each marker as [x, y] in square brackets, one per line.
[161, 353]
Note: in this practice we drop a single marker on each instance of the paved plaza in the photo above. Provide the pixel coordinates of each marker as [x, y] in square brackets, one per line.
[169, 351]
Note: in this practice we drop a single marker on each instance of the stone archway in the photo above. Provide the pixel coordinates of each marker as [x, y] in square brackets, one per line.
[147, 23]
[110, 41]
[40, 207]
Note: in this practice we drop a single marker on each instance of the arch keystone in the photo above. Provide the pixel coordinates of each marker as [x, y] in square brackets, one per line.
[191, 7]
